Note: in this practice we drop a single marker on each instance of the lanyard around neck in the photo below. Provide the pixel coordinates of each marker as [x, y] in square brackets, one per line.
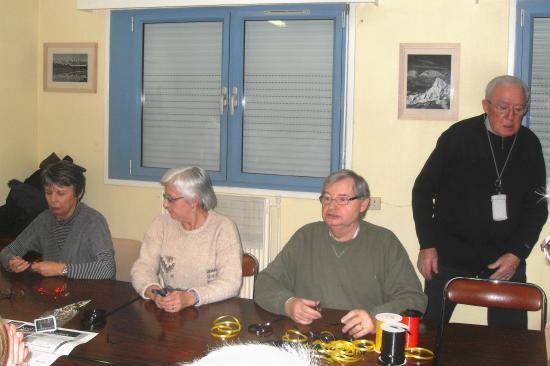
[498, 182]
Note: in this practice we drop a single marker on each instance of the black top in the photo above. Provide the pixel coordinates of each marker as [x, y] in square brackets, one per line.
[451, 197]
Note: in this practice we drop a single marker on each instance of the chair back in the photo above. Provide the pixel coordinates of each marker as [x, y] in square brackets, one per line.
[250, 265]
[126, 253]
[496, 294]
[489, 293]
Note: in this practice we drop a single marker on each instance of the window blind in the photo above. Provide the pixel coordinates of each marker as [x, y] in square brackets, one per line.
[539, 109]
[182, 66]
[288, 78]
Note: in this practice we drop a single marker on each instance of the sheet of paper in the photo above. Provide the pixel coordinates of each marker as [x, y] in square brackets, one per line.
[45, 348]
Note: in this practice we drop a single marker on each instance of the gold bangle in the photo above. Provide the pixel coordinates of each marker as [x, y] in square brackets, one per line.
[419, 353]
[364, 345]
[225, 326]
[294, 336]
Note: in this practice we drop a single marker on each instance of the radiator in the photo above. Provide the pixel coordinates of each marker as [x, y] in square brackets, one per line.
[253, 218]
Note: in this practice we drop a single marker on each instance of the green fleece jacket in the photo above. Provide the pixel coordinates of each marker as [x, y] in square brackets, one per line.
[371, 272]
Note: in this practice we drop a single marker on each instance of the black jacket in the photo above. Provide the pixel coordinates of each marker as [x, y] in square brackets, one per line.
[451, 197]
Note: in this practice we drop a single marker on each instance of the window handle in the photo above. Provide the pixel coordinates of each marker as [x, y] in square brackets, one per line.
[223, 99]
[234, 102]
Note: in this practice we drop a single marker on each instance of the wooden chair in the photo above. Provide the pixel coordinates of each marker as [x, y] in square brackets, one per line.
[490, 293]
[250, 265]
[126, 253]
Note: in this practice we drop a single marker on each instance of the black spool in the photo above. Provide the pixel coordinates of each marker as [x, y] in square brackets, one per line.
[393, 344]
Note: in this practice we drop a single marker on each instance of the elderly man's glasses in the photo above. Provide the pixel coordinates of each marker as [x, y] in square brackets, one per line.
[502, 108]
[339, 200]
[170, 199]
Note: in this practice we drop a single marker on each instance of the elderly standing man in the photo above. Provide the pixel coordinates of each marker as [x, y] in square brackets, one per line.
[341, 262]
[477, 202]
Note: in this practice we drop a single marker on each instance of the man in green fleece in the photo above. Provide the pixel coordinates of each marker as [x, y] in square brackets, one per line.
[342, 262]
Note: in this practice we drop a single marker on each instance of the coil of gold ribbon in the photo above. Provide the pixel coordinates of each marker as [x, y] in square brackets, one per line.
[225, 327]
[294, 336]
[419, 353]
[341, 351]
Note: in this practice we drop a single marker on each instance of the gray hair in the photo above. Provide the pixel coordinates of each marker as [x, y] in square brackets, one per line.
[507, 80]
[360, 185]
[192, 182]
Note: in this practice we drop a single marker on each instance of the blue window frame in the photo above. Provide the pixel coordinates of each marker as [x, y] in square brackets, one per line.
[532, 65]
[274, 121]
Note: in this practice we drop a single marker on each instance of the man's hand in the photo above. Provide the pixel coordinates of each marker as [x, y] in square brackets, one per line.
[358, 323]
[427, 262]
[302, 311]
[48, 268]
[18, 264]
[505, 267]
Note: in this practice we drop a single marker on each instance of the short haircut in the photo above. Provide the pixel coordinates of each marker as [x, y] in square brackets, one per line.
[65, 174]
[192, 182]
[507, 80]
[360, 185]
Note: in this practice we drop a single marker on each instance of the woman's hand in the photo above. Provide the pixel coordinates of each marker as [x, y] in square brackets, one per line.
[18, 354]
[48, 268]
[173, 302]
[18, 264]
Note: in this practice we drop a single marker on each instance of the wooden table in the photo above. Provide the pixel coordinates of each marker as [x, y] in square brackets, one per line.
[140, 334]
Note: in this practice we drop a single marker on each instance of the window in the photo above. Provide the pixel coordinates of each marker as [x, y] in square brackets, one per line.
[533, 67]
[252, 94]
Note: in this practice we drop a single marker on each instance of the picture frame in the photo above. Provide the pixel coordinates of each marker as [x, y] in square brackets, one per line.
[70, 67]
[429, 81]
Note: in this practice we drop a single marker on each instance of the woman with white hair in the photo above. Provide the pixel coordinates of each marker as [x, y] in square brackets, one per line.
[193, 255]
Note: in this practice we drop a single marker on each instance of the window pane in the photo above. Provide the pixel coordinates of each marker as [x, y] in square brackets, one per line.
[539, 109]
[288, 79]
[182, 66]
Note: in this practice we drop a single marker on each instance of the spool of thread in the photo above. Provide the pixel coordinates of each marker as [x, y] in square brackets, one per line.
[393, 344]
[381, 319]
[412, 319]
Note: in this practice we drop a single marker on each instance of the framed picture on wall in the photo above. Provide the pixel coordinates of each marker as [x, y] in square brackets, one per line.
[428, 81]
[70, 67]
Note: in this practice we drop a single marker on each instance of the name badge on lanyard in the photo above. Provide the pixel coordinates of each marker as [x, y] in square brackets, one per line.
[498, 203]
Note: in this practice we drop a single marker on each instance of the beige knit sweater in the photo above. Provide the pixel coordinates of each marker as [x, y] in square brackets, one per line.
[207, 259]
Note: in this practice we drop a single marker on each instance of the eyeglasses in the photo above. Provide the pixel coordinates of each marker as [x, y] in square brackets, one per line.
[170, 199]
[339, 200]
[506, 108]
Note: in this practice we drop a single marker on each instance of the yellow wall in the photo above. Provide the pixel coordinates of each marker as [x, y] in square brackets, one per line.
[387, 151]
[18, 88]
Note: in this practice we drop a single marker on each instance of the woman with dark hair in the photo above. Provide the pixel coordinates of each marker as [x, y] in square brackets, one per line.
[74, 239]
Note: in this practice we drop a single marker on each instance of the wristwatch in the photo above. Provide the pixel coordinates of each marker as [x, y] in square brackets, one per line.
[65, 271]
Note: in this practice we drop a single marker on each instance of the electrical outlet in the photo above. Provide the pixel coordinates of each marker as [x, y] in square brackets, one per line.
[375, 203]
